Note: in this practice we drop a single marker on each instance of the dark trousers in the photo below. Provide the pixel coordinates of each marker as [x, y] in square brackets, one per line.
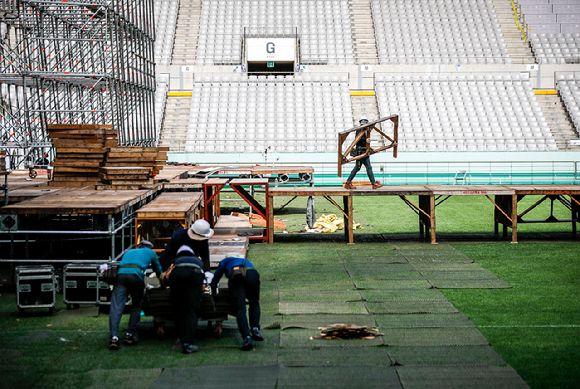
[249, 288]
[359, 162]
[126, 284]
[186, 285]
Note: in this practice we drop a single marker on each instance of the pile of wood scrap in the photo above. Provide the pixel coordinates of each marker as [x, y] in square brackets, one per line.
[80, 151]
[258, 220]
[131, 167]
[347, 331]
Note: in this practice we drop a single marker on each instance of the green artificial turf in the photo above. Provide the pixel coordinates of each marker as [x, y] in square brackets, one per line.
[534, 326]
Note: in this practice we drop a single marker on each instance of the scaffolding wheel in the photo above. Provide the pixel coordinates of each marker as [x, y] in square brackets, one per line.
[32, 173]
[218, 330]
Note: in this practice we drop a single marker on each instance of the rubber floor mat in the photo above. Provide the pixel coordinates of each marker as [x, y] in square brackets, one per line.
[301, 338]
[450, 377]
[445, 266]
[459, 275]
[327, 284]
[401, 295]
[334, 356]
[445, 356]
[426, 258]
[331, 307]
[338, 377]
[393, 284]
[315, 321]
[374, 259]
[434, 337]
[306, 276]
[416, 307]
[378, 276]
[81, 312]
[429, 320]
[319, 295]
[358, 267]
[470, 284]
[219, 377]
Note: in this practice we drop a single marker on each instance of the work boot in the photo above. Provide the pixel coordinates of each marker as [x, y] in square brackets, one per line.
[189, 348]
[377, 185]
[349, 185]
[248, 344]
[114, 344]
[130, 339]
[257, 335]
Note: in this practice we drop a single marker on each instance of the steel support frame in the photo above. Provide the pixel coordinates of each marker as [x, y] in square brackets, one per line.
[75, 62]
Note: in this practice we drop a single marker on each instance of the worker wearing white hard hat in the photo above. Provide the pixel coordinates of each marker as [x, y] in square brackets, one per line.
[360, 149]
[196, 237]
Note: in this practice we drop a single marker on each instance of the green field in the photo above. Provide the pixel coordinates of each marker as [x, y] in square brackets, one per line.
[308, 280]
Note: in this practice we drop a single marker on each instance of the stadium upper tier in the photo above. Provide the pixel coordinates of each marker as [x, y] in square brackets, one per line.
[465, 113]
[165, 12]
[235, 114]
[323, 28]
[438, 32]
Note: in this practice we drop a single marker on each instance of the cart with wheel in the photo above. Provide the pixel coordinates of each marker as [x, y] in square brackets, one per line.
[157, 303]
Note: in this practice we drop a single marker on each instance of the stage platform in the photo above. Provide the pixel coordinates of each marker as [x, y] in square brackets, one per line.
[504, 202]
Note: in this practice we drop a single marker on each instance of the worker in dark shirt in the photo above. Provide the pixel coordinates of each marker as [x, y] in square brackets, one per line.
[360, 149]
[195, 237]
[131, 280]
[186, 289]
[240, 289]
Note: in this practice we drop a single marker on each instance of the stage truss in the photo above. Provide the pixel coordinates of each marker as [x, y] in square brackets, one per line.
[75, 62]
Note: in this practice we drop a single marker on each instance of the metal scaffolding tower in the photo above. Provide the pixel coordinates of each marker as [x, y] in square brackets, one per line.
[75, 62]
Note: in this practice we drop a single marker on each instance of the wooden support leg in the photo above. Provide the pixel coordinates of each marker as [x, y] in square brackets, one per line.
[432, 214]
[348, 209]
[514, 218]
[270, 222]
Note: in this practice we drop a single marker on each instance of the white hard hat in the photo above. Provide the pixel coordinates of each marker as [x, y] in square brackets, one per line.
[200, 230]
[184, 248]
[363, 117]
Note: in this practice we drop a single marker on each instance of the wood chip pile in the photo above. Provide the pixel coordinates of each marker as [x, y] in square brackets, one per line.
[347, 331]
[80, 151]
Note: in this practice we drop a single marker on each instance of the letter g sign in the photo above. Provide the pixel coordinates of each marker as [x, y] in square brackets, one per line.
[270, 47]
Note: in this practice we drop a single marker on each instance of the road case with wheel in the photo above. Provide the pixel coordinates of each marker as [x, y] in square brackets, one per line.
[35, 288]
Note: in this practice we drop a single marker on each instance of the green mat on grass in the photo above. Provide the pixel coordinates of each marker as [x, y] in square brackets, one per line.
[393, 284]
[338, 377]
[81, 312]
[319, 295]
[322, 320]
[358, 267]
[458, 275]
[445, 356]
[378, 276]
[327, 284]
[449, 377]
[429, 320]
[301, 338]
[374, 259]
[470, 284]
[219, 377]
[451, 336]
[411, 307]
[331, 307]
[334, 356]
[401, 295]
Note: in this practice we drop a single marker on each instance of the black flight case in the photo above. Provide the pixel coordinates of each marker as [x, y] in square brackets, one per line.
[35, 288]
[80, 284]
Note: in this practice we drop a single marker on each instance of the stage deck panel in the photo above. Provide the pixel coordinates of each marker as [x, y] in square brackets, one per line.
[75, 201]
[171, 205]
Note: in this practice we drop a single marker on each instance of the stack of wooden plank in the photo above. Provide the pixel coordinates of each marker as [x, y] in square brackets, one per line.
[80, 151]
[131, 167]
[2, 160]
[347, 331]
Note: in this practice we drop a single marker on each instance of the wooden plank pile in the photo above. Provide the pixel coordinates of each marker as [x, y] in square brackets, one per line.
[2, 160]
[80, 151]
[347, 331]
[131, 167]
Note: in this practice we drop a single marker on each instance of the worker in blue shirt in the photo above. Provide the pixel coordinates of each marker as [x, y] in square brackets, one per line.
[240, 289]
[131, 280]
[186, 288]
